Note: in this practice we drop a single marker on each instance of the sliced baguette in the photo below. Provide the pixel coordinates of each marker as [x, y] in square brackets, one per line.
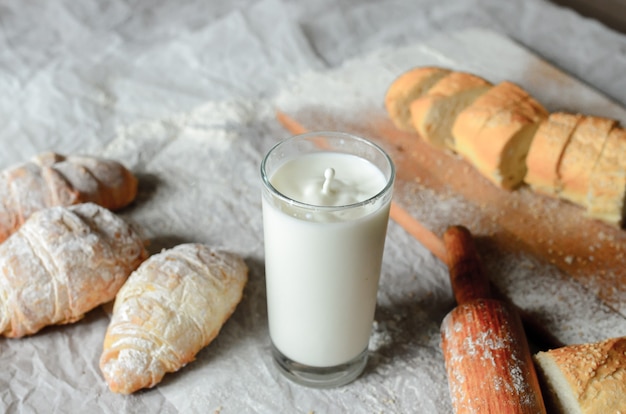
[405, 89]
[434, 113]
[585, 379]
[499, 147]
[606, 196]
[580, 155]
[546, 150]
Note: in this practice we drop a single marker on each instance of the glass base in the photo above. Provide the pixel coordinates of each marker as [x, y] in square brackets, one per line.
[320, 377]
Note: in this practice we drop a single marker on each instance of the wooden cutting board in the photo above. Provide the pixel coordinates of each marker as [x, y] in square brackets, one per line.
[568, 270]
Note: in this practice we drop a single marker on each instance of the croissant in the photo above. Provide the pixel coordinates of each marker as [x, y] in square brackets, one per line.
[171, 307]
[63, 262]
[51, 179]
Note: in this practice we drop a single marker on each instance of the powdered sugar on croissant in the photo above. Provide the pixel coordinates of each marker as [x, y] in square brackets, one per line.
[51, 179]
[171, 307]
[63, 262]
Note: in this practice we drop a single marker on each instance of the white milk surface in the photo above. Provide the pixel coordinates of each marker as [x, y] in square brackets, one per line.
[306, 179]
[323, 269]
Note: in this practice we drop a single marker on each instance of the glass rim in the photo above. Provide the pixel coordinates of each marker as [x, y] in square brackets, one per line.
[385, 190]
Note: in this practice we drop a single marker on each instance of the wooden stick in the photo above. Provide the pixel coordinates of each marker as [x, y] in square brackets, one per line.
[290, 124]
[469, 281]
[427, 238]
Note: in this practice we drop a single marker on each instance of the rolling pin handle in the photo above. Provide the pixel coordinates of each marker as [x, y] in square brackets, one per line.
[469, 281]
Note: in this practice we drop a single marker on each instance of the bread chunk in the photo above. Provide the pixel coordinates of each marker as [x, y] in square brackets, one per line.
[500, 97]
[495, 132]
[586, 378]
[546, 150]
[434, 113]
[606, 196]
[580, 156]
[405, 89]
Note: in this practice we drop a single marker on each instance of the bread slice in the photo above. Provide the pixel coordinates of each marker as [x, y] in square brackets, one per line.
[585, 379]
[546, 150]
[580, 155]
[405, 89]
[606, 196]
[470, 121]
[434, 113]
[497, 138]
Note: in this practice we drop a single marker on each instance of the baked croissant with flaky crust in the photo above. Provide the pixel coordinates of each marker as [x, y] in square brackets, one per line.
[51, 179]
[63, 262]
[171, 307]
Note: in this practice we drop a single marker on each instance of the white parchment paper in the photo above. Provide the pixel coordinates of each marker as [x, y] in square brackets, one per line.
[184, 94]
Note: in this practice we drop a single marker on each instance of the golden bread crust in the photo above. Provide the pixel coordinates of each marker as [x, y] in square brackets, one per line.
[405, 89]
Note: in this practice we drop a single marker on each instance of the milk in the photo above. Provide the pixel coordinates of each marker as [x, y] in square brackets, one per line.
[328, 179]
[324, 222]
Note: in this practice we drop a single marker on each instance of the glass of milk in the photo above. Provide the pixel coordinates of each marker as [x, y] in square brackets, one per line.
[326, 199]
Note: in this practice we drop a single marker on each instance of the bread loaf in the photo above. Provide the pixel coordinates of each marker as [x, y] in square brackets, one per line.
[585, 379]
[546, 150]
[63, 262]
[51, 179]
[435, 111]
[496, 139]
[606, 196]
[510, 138]
[169, 309]
[405, 89]
[580, 156]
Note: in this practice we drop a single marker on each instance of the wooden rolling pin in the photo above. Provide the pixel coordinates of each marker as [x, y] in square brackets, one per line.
[488, 361]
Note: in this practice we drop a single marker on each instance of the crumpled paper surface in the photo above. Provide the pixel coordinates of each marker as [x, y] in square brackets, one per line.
[184, 94]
